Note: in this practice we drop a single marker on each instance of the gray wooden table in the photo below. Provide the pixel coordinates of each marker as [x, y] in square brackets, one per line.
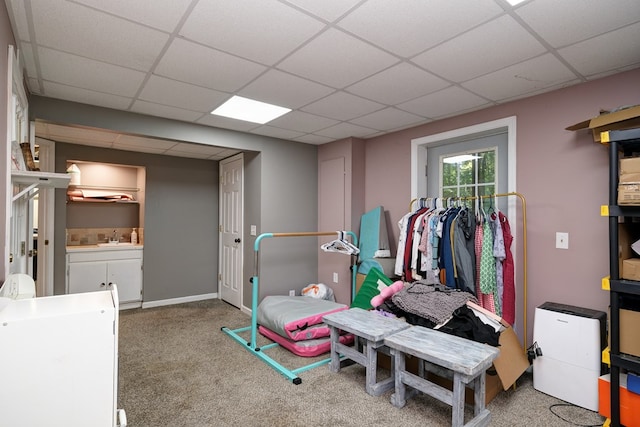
[370, 327]
[467, 360]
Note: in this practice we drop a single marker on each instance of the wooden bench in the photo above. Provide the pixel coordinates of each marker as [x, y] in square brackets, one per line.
[370, 327]
[467, 360]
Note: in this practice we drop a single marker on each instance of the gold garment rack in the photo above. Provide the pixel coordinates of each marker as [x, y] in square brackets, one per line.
[524, 242]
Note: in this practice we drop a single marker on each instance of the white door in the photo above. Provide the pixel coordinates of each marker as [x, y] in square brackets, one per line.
[231, 225]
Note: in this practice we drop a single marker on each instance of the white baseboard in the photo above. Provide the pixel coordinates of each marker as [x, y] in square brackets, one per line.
[181, 300]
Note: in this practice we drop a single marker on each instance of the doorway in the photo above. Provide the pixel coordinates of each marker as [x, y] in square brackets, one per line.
[230, 228]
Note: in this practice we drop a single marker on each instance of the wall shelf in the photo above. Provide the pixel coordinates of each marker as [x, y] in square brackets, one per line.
[104, 188]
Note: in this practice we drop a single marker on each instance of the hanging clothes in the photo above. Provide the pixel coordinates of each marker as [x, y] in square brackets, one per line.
[463, 233]
[509, 288]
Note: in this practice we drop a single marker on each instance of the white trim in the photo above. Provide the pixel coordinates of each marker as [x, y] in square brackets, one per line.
[181, 300]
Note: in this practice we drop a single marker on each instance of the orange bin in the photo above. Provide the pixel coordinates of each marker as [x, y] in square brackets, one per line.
[629, 401]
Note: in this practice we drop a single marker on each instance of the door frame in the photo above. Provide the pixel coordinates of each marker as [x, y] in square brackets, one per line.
[46, 217]
[221, 252]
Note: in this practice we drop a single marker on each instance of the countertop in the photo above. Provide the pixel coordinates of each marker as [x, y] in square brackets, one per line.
[96, 248]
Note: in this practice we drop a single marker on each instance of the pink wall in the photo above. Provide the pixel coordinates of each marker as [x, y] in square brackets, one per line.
[562, 174]
[6, 39]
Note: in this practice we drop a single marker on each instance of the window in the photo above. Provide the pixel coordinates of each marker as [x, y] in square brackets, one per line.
[468, 174]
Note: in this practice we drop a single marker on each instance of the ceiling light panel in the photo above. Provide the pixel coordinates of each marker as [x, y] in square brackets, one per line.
[250, 110]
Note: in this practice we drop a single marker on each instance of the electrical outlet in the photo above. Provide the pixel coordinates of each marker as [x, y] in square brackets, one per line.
[292, 293]
[254, 230]
[335, 277]
[562, 240]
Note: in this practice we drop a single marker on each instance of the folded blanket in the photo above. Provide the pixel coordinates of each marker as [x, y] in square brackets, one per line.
[435, 303]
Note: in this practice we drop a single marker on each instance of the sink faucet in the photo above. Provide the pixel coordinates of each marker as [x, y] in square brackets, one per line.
[115, 236]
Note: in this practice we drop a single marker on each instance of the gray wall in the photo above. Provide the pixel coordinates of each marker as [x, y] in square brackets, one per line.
[180, 233]
[280, 188]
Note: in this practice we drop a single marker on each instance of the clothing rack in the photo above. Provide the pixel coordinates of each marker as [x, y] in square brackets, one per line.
[448, 200]
[251, 345]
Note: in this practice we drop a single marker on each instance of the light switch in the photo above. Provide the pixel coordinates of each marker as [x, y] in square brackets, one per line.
[254, 230]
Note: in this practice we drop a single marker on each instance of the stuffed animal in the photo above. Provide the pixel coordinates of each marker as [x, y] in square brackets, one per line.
[387, 293]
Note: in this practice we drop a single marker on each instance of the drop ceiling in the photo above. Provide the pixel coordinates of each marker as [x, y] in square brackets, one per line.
[346, 68]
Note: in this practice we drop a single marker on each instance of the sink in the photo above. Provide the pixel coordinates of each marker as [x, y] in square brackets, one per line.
[115, 244]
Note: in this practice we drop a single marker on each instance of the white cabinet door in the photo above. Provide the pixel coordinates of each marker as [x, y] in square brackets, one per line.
[87, 276]
[127, 274]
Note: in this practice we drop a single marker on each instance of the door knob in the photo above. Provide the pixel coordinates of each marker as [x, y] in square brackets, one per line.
[237, 240]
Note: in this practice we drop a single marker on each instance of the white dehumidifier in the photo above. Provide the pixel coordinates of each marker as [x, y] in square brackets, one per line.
[571, 340]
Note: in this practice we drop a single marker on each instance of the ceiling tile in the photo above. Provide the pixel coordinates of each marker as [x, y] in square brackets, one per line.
[302, 122]
[96, 35]
[397, 84]
[388, 119]
[342, 106]
[177, 94]
[443, 103]
[160, 14]
[184, 147]
[29, 60]
[138, 149]
[143, 142]
[286, 90]
[17, 9]
[351, 59]
[575, 20]
[187, 154]
[80, 135]
[487, 48]
[408, 27]
[276, 132]
[254, 29]
[314, 139]
[227, 123]
[225, 153]
[522, 78]
[589, 57]
[346, 130]
[329, 10]
[160, 110]
[214, 70]
[76, 71]
[34, 86]
[84, 96]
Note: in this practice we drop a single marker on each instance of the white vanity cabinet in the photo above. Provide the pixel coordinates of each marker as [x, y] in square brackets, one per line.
[95, 269]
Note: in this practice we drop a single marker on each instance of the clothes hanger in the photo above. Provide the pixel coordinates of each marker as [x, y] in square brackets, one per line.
[340, 245]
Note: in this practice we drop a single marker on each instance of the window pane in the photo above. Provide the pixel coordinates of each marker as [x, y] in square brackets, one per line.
[449, 174]
[449, 192]
[466, 172]
[487, 167]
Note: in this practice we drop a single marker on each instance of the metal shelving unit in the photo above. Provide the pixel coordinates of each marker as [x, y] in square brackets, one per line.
[620, 290]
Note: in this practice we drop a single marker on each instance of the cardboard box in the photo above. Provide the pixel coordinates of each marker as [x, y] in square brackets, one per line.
[625, 118]
[629, 194]
[506, 369]
[631, 269]
[629, 402]
[628, 233]
[629, 165]
[629, 332]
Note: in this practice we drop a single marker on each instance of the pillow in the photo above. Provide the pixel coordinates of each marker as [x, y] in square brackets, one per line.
[373, 283]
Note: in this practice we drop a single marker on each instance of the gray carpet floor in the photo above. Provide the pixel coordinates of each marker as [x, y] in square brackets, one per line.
[177, 368]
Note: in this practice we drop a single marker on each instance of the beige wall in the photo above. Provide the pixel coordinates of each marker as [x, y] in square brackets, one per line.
[563, 175]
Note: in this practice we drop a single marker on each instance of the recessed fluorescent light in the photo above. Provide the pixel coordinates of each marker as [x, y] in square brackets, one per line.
[514, 2]
[249, 110]
[459, 159]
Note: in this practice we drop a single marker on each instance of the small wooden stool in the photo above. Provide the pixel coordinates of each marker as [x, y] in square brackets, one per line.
[467, 360]
[372, 328]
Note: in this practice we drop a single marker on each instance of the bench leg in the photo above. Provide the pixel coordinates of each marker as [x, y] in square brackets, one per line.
[479, 394]
[457, 403]
[371, 368]
[334, 364]
[398, 398]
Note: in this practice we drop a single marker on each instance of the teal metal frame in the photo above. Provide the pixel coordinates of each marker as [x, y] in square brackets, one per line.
[251, 346]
